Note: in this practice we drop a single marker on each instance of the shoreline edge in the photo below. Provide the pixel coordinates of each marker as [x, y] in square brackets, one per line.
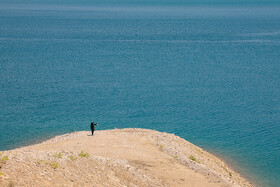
[131, 156]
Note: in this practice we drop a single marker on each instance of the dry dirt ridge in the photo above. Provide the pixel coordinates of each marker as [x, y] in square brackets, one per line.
[119, 157]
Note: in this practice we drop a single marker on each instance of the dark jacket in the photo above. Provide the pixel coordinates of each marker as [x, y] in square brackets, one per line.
[92, 125]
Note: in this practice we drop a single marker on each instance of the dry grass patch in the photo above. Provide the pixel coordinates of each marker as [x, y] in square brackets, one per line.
[58, 155]
[83, 154]
[194, 159]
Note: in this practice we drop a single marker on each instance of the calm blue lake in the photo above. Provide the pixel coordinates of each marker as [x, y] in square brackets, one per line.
[208, 72]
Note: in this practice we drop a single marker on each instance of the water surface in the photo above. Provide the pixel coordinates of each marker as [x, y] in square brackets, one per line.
[209, 74]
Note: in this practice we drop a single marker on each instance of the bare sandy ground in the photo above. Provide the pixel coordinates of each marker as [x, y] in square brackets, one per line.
[119, 157]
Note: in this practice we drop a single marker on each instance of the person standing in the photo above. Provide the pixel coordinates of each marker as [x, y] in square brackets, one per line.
[92, 127]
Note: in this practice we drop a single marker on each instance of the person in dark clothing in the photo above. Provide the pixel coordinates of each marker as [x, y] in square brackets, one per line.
[92, 127]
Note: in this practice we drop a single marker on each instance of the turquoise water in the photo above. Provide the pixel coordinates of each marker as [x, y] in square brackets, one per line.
[208, 73]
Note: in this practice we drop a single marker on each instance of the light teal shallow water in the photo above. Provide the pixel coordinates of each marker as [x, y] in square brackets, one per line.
[209, 74]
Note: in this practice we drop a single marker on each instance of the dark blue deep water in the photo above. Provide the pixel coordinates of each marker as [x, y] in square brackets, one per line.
[209, 73]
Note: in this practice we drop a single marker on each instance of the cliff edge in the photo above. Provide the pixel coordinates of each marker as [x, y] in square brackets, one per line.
[119, 157]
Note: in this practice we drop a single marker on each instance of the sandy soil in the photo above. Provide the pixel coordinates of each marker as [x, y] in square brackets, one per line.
[119, 157]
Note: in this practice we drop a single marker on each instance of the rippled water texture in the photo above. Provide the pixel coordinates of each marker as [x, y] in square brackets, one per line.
[208, 74]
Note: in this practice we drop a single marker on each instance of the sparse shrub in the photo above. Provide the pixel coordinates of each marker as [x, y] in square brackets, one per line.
[54, 165]
[82, 154]
[4, 159]
[39, 162]
[194, 159]
[161, 146]
[2, 174]
[72, 157]
[58, 155]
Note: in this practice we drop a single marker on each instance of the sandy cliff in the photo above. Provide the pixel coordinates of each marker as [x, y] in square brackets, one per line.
[119, 157]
